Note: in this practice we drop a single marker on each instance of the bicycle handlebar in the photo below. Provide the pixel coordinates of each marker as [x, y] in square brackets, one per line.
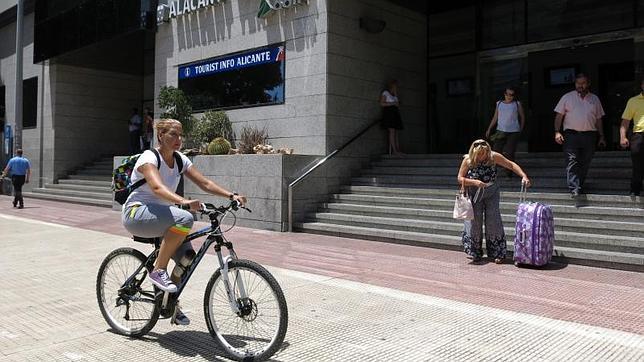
[207, 208]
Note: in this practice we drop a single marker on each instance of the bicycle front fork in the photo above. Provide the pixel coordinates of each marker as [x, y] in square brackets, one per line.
[223, 262]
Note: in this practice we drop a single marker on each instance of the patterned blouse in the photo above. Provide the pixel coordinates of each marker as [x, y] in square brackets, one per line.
[483, 173]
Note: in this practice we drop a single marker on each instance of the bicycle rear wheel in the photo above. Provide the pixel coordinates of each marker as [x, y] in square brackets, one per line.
[130, 309]
[257, 331]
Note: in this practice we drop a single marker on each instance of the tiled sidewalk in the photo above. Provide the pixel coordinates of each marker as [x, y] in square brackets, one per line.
[600, 297]
[49, 313]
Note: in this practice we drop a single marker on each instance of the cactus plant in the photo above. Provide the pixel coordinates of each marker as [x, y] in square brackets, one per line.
[219, 146]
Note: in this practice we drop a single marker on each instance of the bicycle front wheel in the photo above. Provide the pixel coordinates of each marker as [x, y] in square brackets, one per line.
[129, 308]
[255, 327]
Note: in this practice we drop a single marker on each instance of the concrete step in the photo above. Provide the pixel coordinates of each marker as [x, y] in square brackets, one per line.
[104, 162]
[528, 163]
[542, 184]
[563, 238]
[519, 155]
[449, 192]
[88, 188]
[91, 177]
[75, 193]
[619, 260]
[76, 200]
[94, 172]
[508, 207]
[103, 183]
[563, 222]
[536, 174]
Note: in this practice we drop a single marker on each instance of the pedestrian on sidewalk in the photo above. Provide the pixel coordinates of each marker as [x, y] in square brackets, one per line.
[20, 170]
[509, 120]
[634, 112]
[150, 209]
[581, 113]
[134, 126]
[391, 115]
[478, 174]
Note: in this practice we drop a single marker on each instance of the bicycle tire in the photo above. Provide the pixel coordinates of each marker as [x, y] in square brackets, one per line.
[131, 259]
[228, 342]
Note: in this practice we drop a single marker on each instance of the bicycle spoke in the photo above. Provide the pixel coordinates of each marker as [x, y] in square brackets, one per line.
[137, 299]
[255, 329]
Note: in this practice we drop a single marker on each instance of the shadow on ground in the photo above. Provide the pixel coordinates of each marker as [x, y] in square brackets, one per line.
[194, 344]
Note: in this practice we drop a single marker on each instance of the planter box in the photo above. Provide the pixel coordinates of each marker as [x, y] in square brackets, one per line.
[264, 179]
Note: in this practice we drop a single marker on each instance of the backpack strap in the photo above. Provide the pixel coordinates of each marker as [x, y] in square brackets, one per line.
[179, 161]
[142, 181]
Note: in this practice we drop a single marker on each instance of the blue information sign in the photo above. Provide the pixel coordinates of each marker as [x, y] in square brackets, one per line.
[7, 131]
[238, 61]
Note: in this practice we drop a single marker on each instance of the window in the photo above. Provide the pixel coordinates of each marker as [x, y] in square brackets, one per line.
[29, 102]
[61, 26]
[246, 79]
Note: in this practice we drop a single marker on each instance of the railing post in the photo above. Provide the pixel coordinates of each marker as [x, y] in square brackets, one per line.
[290, 208]
[307, 172]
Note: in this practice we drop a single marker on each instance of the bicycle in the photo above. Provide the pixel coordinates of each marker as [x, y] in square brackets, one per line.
[242, 298]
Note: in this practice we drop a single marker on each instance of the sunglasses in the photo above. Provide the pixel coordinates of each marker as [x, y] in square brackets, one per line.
[480, 144]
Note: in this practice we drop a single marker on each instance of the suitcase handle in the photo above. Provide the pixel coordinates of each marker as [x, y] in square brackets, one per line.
[523, 194]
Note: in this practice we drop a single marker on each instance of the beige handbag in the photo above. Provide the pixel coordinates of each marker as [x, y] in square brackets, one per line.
[463, 209]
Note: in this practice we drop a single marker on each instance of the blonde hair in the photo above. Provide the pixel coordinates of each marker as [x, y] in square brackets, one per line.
[164, 125]
[476, 148]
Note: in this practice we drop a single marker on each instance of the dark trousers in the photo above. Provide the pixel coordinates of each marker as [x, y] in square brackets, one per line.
[17, 182]
[578, 149]
[507, 145]
[135, 142]
[637, 157]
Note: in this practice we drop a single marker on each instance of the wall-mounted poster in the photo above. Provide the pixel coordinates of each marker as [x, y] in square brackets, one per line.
[250, 78]
[460, 87]
[561, 76]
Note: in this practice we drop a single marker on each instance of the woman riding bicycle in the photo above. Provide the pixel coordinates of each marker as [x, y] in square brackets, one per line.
[150, 210]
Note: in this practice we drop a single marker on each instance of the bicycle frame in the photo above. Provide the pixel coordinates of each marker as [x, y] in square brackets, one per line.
[215, 237]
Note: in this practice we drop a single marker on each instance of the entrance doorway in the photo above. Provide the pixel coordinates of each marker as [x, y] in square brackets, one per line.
[610, 68]
[616, 85]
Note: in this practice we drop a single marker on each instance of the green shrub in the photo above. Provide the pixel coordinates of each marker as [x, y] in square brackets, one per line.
[251, 137]
[219, 146]
[213, 124]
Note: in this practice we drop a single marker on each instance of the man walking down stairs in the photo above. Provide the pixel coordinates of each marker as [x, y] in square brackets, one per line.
[410, 201]
[90, 185]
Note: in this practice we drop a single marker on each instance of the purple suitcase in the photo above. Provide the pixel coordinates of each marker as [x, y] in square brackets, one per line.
[535, 234]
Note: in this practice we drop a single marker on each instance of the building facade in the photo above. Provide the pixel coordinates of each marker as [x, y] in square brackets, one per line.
[311, 72]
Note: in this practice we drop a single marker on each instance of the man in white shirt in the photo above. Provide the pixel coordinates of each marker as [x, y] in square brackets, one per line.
[134, 125]
[581, 113]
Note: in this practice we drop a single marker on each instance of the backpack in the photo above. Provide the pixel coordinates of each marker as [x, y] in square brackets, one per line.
[121, 175]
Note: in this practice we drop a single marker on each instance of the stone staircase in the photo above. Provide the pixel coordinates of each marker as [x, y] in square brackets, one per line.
[410, 200]
[90, 185]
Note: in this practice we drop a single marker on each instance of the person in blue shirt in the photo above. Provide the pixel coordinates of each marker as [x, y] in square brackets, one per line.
[20, 170]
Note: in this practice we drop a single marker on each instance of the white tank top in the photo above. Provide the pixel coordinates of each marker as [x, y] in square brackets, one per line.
[508, 117]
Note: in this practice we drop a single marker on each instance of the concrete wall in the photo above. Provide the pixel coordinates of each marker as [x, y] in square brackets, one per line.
[6, 4]
[263, 179]
[359, 64]
[91, 110]
[41, 137]
[233, 26]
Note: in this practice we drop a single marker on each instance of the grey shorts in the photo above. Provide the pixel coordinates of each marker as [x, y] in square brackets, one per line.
[154, 220]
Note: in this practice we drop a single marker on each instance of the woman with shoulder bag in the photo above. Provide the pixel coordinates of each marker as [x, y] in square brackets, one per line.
[509, 120]
[478, 173]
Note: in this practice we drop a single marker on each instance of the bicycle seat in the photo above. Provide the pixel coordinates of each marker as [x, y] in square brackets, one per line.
[139, 239]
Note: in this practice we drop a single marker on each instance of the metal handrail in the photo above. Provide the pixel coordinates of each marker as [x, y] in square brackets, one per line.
[318, 164]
